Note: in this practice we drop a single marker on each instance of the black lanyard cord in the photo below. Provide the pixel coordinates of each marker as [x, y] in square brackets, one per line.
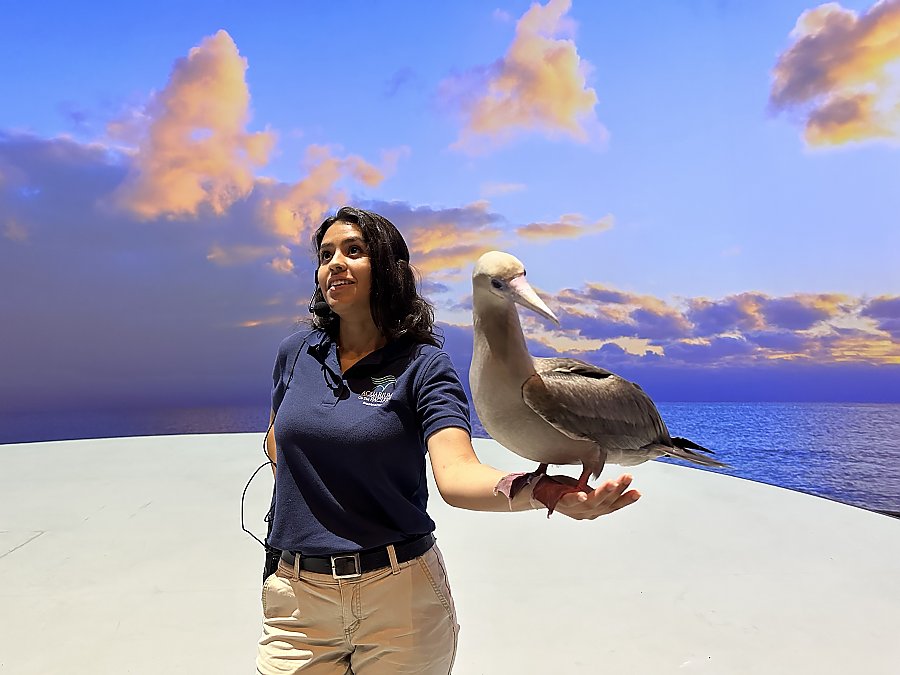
[268, 461]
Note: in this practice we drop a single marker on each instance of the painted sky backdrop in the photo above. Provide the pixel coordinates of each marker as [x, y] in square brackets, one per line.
[705, 192]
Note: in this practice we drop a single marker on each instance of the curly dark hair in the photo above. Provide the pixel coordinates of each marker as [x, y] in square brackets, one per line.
[397, 308]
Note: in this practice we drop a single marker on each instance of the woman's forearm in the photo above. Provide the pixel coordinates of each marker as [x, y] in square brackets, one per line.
[463, 480]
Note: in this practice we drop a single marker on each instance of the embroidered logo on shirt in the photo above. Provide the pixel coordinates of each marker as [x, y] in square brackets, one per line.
[381, 391]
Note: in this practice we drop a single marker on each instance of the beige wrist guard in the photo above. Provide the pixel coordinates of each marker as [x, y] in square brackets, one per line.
[519, 486]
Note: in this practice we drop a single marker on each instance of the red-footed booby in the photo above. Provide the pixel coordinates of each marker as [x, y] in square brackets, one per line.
[560, 410]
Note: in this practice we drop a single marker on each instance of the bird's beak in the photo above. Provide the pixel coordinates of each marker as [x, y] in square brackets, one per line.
[524, 294]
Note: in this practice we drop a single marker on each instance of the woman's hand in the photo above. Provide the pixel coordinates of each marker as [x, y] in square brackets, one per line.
[606, 498]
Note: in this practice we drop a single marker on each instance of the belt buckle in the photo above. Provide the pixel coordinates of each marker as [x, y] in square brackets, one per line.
[352, 575]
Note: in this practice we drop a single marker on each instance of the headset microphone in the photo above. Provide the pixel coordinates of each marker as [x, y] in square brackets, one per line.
[320, 308]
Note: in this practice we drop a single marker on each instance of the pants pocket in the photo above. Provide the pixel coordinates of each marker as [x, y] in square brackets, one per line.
[265, 585]
[432, 564]
[278, 599]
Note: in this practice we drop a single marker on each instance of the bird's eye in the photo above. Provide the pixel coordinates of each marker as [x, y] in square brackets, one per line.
[496, 284]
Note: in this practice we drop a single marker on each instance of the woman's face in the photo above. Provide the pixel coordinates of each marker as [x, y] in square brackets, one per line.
[345, 274]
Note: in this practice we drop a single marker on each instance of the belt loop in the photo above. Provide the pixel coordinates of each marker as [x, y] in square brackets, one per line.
[392, 556]
[297, 566]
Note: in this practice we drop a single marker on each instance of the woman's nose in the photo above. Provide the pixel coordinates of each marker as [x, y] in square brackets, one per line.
[336, 262]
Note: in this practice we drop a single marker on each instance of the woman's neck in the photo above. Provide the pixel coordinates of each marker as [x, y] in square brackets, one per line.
[357, 339]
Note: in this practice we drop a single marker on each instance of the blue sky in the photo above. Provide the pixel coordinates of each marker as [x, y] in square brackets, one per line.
[688, 159]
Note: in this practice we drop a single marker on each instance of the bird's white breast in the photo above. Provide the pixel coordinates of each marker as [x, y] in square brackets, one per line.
[510, 422]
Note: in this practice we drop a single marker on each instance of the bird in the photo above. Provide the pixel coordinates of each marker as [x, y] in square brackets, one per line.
[555, 410]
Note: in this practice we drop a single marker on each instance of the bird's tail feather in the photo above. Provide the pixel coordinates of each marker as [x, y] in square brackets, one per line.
[685, 449]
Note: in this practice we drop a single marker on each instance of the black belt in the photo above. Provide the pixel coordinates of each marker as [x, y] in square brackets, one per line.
[351, 565]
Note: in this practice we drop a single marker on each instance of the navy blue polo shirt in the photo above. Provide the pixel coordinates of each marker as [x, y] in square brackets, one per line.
[351, 446]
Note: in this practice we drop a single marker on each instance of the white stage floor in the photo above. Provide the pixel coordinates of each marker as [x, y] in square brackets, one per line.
[126, 556]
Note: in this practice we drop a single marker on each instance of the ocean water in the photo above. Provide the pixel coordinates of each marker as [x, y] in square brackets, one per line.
[848, 452]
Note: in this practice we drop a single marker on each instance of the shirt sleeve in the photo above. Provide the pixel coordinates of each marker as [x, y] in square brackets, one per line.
[441, 401]
[279, 385]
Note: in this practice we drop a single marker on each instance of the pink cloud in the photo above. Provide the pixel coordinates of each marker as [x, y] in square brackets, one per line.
[194, 150]
[292, 211]
[746, 328]
[840, 74]
[569, 226]
[443, 241]
[538, 86]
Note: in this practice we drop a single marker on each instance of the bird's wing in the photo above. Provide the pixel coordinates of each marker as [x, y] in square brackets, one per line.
[590, 403]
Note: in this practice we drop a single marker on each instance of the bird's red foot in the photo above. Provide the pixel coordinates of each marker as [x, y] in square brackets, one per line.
[550, 489]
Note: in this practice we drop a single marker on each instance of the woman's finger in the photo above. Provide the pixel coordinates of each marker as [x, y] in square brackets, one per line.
[612, 490]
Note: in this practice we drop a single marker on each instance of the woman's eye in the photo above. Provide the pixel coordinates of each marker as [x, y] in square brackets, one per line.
[496, 284]
[354, 250]
[324, 256]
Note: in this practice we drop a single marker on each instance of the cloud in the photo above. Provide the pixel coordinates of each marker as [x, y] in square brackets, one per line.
[855, 345]
[884, 307]
[194, 150]
[737, 312]
[429, 287]
[447, 248]
[800, 312]
[238, 254]
[746, 328]
[718, 350]
[885, 310]
[282, 263]
[538, 86]
[638, 323]
[120, 313]
[494, 189]
[612, 298]
[840, 74]
[45, 176]
[444, 241]
[701, 378]
[172, 314]
[599, 312]
[194, 156]
[293, 211]
[781, 341]
[596, 325]
[391, 157]
[756, 311]
[246, 254]
[569, 226]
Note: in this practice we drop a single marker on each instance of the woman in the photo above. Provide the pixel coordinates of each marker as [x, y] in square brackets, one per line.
[361, 586]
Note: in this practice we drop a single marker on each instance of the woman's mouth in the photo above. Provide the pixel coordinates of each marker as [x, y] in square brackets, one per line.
[338, 283]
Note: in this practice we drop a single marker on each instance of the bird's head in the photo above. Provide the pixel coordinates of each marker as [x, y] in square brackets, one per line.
[501, 275]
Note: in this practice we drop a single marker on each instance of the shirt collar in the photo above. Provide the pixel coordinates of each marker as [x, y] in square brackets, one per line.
[325, 351]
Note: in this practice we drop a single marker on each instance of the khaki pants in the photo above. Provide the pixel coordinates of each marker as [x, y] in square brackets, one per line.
[394, 621]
